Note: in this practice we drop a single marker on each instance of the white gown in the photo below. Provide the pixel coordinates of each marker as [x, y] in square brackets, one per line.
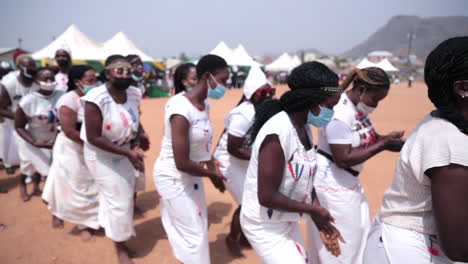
[70, 191]
[114, 174]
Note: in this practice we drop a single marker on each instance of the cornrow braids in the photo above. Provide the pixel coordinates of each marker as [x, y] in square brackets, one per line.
[446, 64]
[373, 78]
[310, 83]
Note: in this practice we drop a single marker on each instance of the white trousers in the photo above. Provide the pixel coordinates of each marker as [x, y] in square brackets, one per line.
[114, 176]
[275, 242]
[186, 223]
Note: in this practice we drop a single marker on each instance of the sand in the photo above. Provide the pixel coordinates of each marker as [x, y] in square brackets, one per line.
[26, 235]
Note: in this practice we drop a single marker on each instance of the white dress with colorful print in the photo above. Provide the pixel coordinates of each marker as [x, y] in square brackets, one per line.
[70, 191]
[339, 191]
[275, 234]
[183, 206]
[42, 125]
[114, 174]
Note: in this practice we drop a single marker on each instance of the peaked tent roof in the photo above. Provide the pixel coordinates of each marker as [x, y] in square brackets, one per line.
[282, 63]
[365, 63]
[223, 51]
[295, 61]
[80, 45]
[121, 44]
[84, 48]
[387, 66]
[240, 57]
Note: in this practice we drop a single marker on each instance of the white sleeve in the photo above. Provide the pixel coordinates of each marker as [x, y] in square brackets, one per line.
[178, 106]
[69, 101]
[238, 125]
[339, 133]
[441, 150]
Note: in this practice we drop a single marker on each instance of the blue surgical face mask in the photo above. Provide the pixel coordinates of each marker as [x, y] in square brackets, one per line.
[217, 92]
[88, 88]
[136, 78]
[324, 117]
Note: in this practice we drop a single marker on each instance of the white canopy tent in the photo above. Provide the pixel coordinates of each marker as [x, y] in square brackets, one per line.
[387, 66]
[295, 61]
[173, 63]
[365, 63]
[285, 62]
[80, 45]
[121, 44]
[234, 57]
[240, 57]
[223, 51]
[84, 48]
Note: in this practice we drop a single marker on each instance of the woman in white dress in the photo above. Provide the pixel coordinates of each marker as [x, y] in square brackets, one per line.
[278, 190]
[36, 123]
[70, 191]
[232, 151]
[15, 88]
[178, 172]
[424, 211]
[344, 145]
[110, 132]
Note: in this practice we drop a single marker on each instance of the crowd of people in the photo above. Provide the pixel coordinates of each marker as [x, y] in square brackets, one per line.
[80, 132]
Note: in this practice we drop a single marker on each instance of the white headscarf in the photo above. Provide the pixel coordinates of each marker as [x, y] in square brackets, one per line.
[254, 81]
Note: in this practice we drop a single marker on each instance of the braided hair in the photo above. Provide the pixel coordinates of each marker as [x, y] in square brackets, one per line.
[373, 78]
[446, 64]
[307, 83]
[180, 74]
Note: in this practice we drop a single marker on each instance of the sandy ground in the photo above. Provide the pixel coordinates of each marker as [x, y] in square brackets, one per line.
[27, 237]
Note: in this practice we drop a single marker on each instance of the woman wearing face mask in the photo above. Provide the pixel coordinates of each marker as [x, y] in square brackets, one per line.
[36, 123]
[186, 149]
[343, 146]
[70, 191]
[232, 152]
[111, 131]
[137, 72]
[185, 77]
[424, 211]
[15, 88]
[278, 189]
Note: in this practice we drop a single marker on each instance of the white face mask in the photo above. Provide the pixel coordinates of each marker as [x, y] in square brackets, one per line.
[364, 109]
[47, 86]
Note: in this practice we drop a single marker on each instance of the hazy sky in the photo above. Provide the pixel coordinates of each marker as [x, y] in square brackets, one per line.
[167, 28]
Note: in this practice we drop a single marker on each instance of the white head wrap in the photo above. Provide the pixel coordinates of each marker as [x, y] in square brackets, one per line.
[254, 81]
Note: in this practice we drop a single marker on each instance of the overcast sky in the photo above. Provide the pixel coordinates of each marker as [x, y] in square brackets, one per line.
[167, 28]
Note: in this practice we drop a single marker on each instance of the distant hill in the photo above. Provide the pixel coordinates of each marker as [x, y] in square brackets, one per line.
[428, 33]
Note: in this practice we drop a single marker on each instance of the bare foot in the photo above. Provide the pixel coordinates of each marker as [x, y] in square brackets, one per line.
[87, 235]
[24, 193]
[57, 222]
[234, 248]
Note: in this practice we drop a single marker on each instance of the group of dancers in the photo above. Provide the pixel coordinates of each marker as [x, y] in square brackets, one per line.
[89, 144]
